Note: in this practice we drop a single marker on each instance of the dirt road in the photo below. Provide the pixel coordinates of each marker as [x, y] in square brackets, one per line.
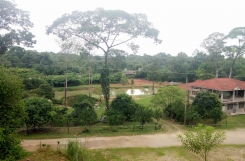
[155, 140]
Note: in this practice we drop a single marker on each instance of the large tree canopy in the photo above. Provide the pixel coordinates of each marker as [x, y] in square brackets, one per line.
[234, 51]
[104, 29]
[14, 27]
[214, 45]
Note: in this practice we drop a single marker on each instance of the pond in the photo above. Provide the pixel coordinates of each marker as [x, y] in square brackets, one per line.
[133, 91]
[113, 92]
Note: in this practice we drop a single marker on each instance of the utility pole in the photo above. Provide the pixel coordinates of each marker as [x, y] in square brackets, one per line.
[89, 81]
[66, 85]
[186, 99]
[89, 75]
[153, 86]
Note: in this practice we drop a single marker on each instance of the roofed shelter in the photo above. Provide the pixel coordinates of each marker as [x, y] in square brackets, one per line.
[230, 91]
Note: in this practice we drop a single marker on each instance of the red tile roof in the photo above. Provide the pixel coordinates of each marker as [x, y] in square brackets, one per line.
[219, 84]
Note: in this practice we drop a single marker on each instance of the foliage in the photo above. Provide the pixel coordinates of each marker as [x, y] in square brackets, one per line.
[114, 117]
[72, 150]
[58, 116]
[176, 110]
[157, 115]
[76, 152]
[71, 100]
[98, 91]
[32, 83]
[234, 51]
[38, 111]
[215, 46]
[204, 71]
[202, 140]
[167, 95]
[59, 80]
[115, 23]
[46, 91]
[208, 105]
[124, 104]
[118, 28]
[12, 115]
[16, 26]
[143, 115]
[124, 80]
[84, 114]
[192, 116]
[105, 85]
[117, 59]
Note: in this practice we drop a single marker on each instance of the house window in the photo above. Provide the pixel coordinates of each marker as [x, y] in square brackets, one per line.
[241, 105]
[229, 106]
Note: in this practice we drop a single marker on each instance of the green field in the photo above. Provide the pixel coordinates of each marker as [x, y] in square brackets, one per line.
[222, 153]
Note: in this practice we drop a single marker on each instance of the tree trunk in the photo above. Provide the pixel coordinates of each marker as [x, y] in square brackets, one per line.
[216, 73]
[66, 89]
[232, 65]
[105, 85]
[89, 81]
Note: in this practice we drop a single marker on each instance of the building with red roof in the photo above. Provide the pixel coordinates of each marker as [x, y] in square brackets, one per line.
[230, 91]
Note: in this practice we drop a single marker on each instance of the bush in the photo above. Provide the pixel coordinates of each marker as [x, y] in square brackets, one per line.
[125, 105]
[59, 80]
[37, 111]
[176, 110]
[76, 152]
[84, 114]
[71, 100]
[32, 83]
[46, 91]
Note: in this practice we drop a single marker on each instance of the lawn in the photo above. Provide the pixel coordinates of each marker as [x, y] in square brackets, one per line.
[224, 152]
[145, 101]
[232, 122]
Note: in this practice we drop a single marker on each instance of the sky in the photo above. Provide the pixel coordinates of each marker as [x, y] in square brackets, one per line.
[183, 24]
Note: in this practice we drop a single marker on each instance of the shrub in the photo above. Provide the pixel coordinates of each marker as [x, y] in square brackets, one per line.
[71, 100]
[125, 105]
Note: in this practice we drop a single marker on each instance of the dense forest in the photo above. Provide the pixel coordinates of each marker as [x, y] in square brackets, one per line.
[52, 67]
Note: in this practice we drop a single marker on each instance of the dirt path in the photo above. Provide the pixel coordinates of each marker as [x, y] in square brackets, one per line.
[155, 140]
[171, 127]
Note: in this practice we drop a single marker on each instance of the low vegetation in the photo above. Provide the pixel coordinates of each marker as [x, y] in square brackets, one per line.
[202, 140]
[224, 152]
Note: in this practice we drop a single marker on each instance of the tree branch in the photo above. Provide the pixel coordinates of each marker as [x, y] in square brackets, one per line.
[84, 38]
[122, 42]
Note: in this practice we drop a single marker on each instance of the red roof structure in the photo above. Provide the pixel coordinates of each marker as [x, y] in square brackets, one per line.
[219, 84]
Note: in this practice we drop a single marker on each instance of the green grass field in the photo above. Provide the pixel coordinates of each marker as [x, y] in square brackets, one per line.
[222, 153]
[232, 122]
[145, 101]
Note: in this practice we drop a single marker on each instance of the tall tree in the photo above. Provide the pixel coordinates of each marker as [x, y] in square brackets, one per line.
[15, 25]
[214, 45]
[167, 95]
[104, 29]
[12, 115]
[234, 51]
[208, 106]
